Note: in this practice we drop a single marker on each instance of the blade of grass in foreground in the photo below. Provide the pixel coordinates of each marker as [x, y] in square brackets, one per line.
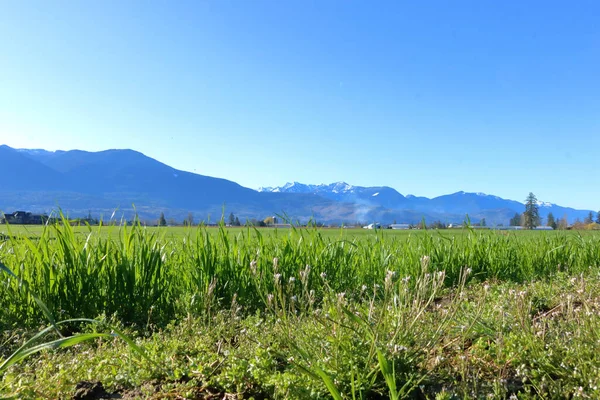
[63, 342]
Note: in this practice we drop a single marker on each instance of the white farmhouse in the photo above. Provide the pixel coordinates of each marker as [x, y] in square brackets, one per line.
[375, 225]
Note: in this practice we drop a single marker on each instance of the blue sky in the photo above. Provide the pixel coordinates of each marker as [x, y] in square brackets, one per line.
[427, 97]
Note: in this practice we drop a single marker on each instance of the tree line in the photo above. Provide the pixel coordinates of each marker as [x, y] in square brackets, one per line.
[232, 220]
[530, 218]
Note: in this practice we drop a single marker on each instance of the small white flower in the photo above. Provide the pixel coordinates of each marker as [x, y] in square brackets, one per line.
[398, 348]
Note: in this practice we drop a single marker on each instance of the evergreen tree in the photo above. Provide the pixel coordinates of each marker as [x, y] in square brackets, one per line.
[231, 219]
[237, 222]
[482, 223]
[532, 213]
[516, 220]
[598, 217]
[162, 221]
[551, 221]
[589, 219]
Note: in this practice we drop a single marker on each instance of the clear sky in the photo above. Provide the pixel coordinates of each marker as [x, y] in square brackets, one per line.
[428, 97]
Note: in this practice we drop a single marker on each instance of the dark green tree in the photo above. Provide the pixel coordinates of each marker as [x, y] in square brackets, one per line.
[589, 219]
[551, 221]
[532, 213]
[237, 222]
[516, 220]
[598, 217]
[482, 222]
[231, 219]
[162, 221]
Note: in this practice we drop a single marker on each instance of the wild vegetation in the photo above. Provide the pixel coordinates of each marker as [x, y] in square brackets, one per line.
[302, 313]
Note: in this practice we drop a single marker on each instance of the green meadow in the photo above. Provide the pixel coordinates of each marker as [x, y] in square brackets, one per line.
[298, 313]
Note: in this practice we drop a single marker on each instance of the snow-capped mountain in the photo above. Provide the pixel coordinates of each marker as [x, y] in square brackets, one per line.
[341, 191]
[544, 204]
[297, 187]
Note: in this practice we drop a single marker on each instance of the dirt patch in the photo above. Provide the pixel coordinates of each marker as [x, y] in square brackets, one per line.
[93, 391]
[86, 390]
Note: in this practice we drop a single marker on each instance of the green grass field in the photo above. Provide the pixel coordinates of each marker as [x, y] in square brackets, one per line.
[175, 232]
[303, 313]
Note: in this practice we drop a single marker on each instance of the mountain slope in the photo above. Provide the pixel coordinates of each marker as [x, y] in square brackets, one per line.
[128, 171]
[21, 173]
[119, 178]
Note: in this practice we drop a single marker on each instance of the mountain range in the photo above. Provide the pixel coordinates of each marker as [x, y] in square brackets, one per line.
[128, 181]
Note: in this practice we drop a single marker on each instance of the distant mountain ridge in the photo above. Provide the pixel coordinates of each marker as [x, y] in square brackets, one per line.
[461, 203]
[101, 182]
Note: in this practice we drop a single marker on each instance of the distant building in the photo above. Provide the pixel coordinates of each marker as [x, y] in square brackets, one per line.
[455, 226]
[375, 225]
[399, 226]
[23, 218]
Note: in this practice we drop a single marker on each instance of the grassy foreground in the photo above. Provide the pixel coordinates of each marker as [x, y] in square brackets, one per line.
[303, 314]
